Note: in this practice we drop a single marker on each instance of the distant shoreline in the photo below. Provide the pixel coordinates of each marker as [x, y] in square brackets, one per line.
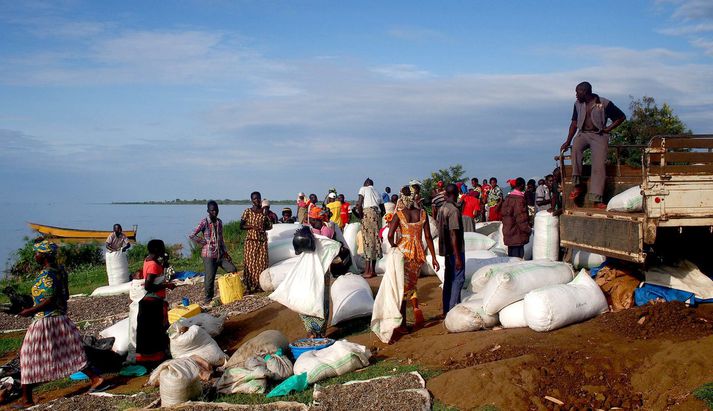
[199, 202]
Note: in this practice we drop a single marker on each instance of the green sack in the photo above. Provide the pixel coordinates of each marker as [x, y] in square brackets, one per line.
[294, 383]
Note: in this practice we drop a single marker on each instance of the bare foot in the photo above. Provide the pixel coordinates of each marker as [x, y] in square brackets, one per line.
[419, 320]
[96, 383]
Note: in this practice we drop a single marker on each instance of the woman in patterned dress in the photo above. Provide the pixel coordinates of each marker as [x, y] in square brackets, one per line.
[412, 221]
[255, 220]
[52, 348]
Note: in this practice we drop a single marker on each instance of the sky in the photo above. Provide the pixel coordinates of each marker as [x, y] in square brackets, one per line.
[134, 100]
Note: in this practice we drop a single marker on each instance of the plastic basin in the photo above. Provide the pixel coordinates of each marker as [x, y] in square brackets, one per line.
[318, 344]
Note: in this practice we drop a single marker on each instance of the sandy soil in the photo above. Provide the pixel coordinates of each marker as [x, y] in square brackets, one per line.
[643, 358]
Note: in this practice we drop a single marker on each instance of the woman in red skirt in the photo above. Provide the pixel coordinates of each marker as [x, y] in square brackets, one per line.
[52, 348]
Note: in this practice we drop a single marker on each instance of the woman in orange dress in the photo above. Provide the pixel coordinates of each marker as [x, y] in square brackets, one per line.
[411, 221]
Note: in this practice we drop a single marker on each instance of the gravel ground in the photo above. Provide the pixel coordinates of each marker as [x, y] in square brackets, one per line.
[86, 402]
[109, 309]
[206, 406]
[382, 394]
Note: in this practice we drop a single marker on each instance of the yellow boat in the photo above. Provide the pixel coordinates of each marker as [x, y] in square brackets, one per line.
[60, 232]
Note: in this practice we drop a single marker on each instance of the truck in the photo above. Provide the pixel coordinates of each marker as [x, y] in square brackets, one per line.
[676, 182]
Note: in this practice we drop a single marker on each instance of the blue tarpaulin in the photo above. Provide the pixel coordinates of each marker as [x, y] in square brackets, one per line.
[183, 275]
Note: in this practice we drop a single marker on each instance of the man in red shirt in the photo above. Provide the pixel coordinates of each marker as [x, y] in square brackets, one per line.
[471, 208]
[345, 209]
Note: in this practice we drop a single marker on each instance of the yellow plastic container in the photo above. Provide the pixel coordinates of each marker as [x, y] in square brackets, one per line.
[231, 288]
[183, 312]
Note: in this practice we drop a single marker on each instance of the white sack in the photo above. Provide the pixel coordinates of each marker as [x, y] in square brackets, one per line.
[477, 241]
[469, 316]
[280, 250]
[249, 380]
[179, 381]
[556, 306]
[267, 342]
[271, 278]
[211, 324]
[509, 283]
[628, 201]
[197, 341]
[473, 265]
[513, 316]
[546, 244]
[585, 259]
[350, 237]
[351, 298]
[302, 291]
[120, 332]
[117, 267]
[281, 232]
[685, 276]
[476, 281]
[386, 315]
[112, 289]
[338, 359]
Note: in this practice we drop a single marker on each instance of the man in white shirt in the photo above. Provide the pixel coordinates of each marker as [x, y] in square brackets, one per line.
[543, 197]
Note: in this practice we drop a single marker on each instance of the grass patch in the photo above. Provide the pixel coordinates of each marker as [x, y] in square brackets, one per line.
[439, 406]
[705, 394]
[83, 279]
[56, 385]
[380, 369]
[10, 344]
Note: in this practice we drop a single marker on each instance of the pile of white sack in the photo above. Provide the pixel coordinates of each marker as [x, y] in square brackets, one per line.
[543, 295]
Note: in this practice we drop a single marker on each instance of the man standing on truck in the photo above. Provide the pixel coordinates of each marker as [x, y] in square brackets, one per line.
[589, 122]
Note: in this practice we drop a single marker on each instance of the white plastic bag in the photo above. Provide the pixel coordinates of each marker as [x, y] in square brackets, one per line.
[469, 316]
[628, 201]
[556, 306]
[302, 291]
[546, 242]
[351, 298]
[117, 267]
[197, 341]
[179, 381]
[338, 359]
[386, 315]
[509, 283]
[120, 333]
[585, 259]
[116, 289]
[513, 316]
[271, 278]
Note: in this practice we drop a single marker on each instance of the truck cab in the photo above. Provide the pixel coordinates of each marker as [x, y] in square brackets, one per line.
[676, 181]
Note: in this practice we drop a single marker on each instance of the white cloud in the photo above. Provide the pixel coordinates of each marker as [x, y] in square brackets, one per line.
[402, 72]
[685, 30]
[699, 16]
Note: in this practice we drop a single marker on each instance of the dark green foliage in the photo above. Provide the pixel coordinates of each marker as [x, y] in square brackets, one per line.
[705, 394]
[452, 174]
[69, 255]
[645, 121]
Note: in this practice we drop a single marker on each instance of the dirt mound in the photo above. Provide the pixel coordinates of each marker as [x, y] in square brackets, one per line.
[582, 381]
[578, 379]
[672, 320]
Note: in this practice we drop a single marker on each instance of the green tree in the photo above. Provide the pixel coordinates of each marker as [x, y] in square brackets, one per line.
[452, 174]
[647, 120]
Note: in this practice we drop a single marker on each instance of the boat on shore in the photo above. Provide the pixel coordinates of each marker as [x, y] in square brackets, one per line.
[74, 233]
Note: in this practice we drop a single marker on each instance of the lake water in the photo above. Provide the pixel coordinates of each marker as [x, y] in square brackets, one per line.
[170, 223]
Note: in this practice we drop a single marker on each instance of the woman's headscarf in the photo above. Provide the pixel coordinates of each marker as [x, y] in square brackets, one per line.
[45, 247]
[315, 213]
[405, 201]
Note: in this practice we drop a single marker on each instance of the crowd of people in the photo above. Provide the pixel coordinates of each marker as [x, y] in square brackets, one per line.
[52, 347]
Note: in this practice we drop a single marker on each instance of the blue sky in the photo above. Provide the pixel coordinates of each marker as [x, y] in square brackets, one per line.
[124, 100]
